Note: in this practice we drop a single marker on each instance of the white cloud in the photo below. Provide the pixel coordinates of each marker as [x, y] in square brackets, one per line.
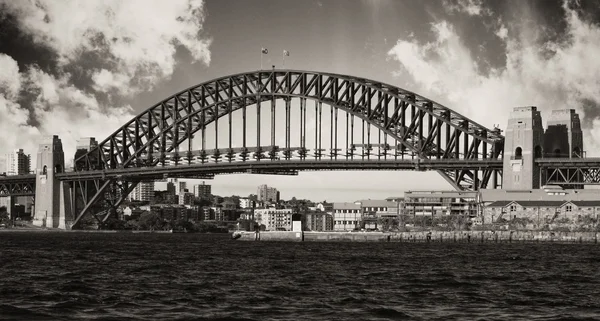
[445, 70]
[502, 32]
[134, 43]
[10, 83]
[137, 37]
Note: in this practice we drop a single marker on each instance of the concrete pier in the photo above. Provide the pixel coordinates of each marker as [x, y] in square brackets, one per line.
[427, 236]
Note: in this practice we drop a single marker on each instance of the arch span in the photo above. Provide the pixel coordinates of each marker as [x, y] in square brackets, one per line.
[420, 127]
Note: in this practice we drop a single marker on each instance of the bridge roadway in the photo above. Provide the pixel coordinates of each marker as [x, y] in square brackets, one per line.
[290, 167]
[20, 185]
[591, 162]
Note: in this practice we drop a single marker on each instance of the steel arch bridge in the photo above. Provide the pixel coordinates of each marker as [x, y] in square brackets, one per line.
[397, 129]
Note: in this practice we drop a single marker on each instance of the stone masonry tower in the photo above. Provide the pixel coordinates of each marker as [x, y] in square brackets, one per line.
[523, 143]
[563, 137]
[50, 160]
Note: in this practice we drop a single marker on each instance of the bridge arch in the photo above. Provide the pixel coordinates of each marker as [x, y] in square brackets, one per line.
[424, 128]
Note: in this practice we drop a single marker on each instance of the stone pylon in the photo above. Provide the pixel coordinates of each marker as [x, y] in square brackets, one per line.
[49, 193]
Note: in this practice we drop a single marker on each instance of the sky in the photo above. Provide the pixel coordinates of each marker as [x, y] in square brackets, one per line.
[83, 68]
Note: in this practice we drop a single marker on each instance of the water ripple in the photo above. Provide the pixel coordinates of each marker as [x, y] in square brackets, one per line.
[87, 276]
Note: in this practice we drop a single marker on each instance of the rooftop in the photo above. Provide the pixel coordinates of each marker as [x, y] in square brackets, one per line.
[491, 195]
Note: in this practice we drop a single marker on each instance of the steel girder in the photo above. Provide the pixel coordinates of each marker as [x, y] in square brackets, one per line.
[416, 122]
[99, 197]
[569, 172]
[283, 167]
[17, 185]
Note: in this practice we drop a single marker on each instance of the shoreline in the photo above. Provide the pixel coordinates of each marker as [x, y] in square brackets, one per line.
[504, 236]
[427, 236]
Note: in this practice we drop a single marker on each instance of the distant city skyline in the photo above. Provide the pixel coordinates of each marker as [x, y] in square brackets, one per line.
[89, 76]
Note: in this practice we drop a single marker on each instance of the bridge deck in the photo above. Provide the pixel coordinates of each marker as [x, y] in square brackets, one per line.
[569, 162]
[283, 166]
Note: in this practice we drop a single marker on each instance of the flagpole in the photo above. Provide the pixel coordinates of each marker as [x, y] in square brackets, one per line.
[261, 54]
[283, 57]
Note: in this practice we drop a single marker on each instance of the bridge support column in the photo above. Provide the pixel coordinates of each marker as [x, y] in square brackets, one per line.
[66, 203]
[522, 145]
[9, 202]
[50, 161]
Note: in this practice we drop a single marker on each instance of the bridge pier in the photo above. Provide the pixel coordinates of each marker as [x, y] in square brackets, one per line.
[9, 202]
[48, 191]
[522, 145]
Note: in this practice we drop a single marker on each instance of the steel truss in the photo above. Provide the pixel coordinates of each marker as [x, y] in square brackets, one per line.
[569, 172]
[408, 125]
[100, 197]
[18, 185]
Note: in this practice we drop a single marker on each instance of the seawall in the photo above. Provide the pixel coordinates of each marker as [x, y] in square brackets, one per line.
[426, 236]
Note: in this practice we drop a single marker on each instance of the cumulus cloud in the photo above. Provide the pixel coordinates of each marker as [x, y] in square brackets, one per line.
[104, 48]
[557, 74]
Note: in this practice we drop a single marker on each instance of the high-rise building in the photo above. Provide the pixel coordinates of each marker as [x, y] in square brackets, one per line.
[144, 192]
[180, 186]
[16, 163]
[2, 164]
[202, 190]
[267, 194]
[186, 198]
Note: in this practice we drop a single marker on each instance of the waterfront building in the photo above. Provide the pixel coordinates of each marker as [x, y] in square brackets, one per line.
[202, 190]
[440, 203]
[265, 193]
[144, 192]
[375, 212]
[217, 213]
[538, 208]
[319, 221]
[346, 216]
[206, 213]
[274, 219]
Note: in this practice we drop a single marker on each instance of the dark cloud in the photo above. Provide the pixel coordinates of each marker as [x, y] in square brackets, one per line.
[22, 47]
[86, 61]
[591, 111]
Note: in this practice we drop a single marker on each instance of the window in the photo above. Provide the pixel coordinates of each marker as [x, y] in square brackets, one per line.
[569, 208]
[518, 153]
[513, 208]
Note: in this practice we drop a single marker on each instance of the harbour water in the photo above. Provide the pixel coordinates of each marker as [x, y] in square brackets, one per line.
[95, 276]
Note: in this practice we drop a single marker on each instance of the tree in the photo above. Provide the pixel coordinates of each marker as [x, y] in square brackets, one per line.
[4, 216]
[202, 202]
[150, 221]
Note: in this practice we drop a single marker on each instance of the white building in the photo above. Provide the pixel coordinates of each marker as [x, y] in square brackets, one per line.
[144, 191]
[16, 163]
[346, 216]
[246, 203]
[274, 219]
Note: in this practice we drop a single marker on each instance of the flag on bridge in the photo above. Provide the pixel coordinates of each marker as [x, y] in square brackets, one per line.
[265, 51]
